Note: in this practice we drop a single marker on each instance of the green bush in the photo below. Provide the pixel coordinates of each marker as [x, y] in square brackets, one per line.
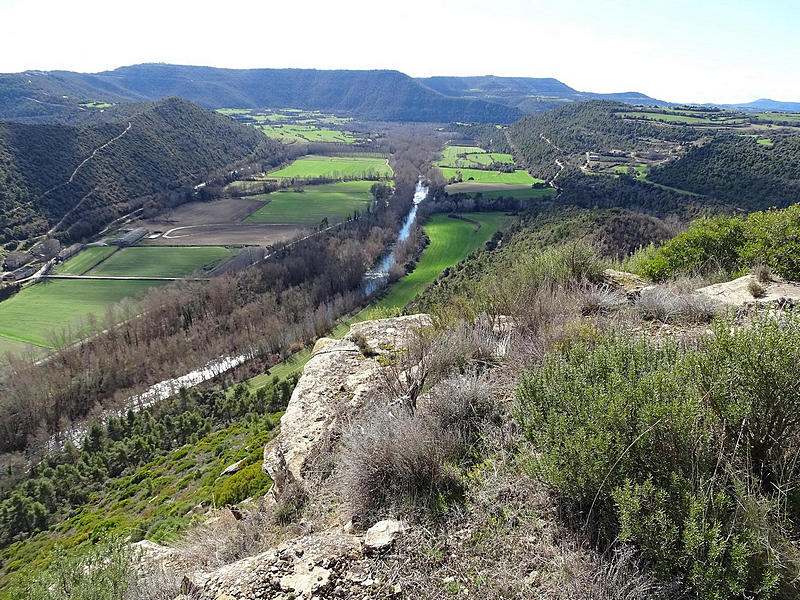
[246, 483]
[689, 455]
[732, 244]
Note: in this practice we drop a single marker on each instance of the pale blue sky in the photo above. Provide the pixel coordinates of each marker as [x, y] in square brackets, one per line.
[671, 49]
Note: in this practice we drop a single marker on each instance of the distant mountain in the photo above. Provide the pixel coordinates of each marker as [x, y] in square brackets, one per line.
[528, 94]
[51, 176]
[371, 95]
[765, 104]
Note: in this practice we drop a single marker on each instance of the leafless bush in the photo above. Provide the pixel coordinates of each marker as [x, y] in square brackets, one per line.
[154, 584]
[599, 299]
[661, 304]
[395, 459]
[762, 273]
[225, 539]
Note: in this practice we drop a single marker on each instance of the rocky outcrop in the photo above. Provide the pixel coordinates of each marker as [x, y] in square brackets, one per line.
[338, 380]
[322, 565]
[739, 292]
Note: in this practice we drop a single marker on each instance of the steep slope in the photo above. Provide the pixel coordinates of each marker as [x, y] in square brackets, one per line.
[379, 95]
[73, 180]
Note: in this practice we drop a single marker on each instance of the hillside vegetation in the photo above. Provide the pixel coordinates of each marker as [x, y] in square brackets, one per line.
[166, 145]
[374, 95]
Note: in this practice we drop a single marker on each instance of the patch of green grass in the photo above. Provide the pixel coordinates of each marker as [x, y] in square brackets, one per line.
[680, 117]
[19, 348]
[471, 156]
[779, 117]
[36, 311]
[518, 177]
[335, 167]
[234, 111]
[307, 133]
[334, 201]
[84, 260]
[765, 142]
[96, 105]
[451, 241]
[160, 261]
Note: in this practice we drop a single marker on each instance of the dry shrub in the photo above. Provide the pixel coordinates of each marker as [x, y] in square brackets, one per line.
[756, 289]
[599, 299]
[395, 460]
[662, 304]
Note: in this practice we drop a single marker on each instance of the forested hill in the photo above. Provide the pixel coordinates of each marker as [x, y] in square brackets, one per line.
[372, 95]
[45, 183]
[529, 94]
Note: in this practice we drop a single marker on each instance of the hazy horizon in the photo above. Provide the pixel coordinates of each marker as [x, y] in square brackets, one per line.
[677, 51]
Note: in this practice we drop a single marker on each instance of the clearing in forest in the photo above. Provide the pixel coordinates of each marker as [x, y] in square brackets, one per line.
[518, 177]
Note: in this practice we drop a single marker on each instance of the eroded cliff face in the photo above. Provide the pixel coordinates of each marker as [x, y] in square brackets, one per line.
[336, 383]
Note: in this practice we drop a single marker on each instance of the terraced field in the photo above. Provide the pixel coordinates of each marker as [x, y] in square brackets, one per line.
[679, 117]
[335, 167]
[307, 133]
[163, 261]
[334, 201]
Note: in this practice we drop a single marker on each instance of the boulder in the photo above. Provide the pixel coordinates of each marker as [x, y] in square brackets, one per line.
[383, 534]
[337, 381]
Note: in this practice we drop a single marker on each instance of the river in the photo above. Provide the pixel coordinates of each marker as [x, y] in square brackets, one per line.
[378, 275]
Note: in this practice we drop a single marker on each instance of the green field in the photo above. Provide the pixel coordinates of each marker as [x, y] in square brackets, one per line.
[336, 201]
[84, 260]
[678, 117]
[451, 241]
[160, 261]
[335, 167]
[471, 156]
[34, 312]
[779, 117]
[518, 177]
[305, 133]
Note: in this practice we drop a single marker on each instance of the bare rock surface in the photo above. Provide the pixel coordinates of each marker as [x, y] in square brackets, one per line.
[338, 380]
[737, 292]
[321, 565]
[383, 534]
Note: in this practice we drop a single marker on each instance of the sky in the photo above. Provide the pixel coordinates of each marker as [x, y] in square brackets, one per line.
[700, 51]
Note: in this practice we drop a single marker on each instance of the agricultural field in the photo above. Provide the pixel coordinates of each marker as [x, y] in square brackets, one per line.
[471, 157]
[336, 167]
[451, 241]
[688, 117]
[518, 177]
[333, 201]
[772, 117]
[292, 125]
[35, 312]
[165, 261]
[84, 260]
[307, 133]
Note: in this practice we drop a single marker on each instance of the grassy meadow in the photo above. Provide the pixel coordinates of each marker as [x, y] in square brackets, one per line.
[518, 177]
[451, 241]
[336, 201]
[32, 314]
[161, 261]
[471, 156]
[335, 167]
[85, 260]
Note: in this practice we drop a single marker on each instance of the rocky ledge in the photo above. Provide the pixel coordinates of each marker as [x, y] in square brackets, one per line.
[338, 380]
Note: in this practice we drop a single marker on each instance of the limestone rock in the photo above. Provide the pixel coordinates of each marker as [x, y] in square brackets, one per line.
[338, 380]
[383, 533]
[233, 468]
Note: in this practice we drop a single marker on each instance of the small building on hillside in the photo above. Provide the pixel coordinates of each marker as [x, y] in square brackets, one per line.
[130, 238]
[69, 252]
